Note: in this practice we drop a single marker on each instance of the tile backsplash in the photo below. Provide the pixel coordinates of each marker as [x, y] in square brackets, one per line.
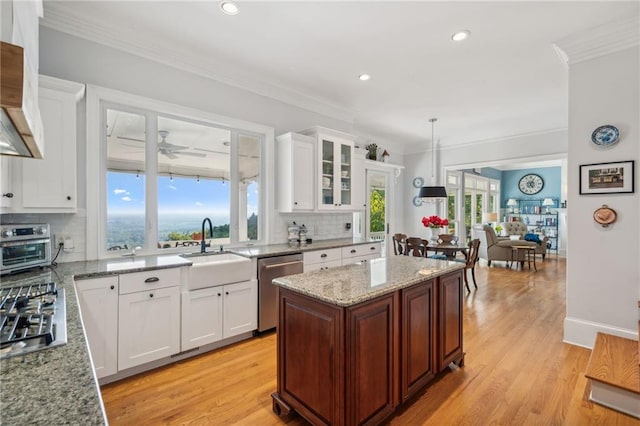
[320, 226]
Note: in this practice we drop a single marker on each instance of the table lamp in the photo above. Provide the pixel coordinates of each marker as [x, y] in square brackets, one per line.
[511, 203]
[490, 218]
[546, 203]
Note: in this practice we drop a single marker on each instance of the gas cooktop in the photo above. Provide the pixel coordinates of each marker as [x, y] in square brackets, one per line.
[32, 318]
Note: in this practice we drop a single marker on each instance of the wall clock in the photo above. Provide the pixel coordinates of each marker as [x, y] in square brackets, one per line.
[530, 184]
[418, 182]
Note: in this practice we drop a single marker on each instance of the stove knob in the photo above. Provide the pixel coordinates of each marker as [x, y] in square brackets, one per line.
[41, 230]
[6, 233]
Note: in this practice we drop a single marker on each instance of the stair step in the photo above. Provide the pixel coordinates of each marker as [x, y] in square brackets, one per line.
[614, 361]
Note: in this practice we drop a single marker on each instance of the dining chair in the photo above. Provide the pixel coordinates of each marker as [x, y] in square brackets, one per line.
[416, 247]
[399, 244]
[470, 262]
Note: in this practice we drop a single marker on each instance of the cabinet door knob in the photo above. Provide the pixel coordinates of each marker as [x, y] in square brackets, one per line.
[150, 294]
[226, 292]
[68, 198]
[219, 294]
[152, 280]
[353, 250]
[372, 248]
[112, 287]
[8, 194]
[295, 203]
[323, 255]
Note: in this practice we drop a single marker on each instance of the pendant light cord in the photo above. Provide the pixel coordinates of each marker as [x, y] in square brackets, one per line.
[433, 152]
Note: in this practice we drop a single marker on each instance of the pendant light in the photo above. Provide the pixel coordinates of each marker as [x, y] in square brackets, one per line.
[432, 193]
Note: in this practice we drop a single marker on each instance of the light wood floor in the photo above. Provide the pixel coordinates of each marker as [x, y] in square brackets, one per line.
[517, 370]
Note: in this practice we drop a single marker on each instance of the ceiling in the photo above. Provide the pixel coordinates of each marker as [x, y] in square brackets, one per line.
[505, 80]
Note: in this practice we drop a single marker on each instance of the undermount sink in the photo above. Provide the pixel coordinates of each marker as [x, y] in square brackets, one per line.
[217, 269]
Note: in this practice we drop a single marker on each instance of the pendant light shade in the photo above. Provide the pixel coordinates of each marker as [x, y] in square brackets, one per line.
[432, 193]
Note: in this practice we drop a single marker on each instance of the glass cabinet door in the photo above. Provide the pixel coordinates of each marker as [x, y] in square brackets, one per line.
[328, 178]
[336, 177]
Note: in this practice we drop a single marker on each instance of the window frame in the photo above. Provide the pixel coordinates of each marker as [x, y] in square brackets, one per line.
[98, 100]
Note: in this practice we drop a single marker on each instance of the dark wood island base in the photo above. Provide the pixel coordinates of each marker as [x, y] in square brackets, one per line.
[353, 365]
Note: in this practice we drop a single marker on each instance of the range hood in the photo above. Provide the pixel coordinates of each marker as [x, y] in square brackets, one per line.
[20, 123]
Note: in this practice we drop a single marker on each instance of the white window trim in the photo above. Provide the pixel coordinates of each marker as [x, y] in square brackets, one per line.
[96, 159]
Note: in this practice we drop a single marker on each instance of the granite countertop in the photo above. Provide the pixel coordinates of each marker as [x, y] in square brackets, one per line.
[359, 282]
[284, 249]
[58, 385]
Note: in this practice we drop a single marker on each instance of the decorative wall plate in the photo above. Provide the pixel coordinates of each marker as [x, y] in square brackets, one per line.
[605, 216]
[605, 135]
[418, 182]
[417, 201]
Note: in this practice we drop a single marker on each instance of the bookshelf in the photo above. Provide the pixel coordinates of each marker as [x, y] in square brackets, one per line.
[533, 214]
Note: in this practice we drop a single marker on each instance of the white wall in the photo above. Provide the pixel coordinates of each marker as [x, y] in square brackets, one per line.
[603, 276]
[540, 146]
[71, 58]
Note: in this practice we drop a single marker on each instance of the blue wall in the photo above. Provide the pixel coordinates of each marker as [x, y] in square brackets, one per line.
[551, 188]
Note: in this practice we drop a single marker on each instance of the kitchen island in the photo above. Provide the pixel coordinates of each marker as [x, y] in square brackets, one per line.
[358, 341]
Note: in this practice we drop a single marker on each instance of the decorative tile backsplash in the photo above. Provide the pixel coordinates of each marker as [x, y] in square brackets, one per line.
[320, 226]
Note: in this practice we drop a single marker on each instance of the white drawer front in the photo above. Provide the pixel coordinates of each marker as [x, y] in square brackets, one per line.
[322, 265]
[372, 249]
[141, 281]
[317, 256]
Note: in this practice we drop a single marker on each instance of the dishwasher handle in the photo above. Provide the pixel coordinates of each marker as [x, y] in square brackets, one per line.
[280, 265]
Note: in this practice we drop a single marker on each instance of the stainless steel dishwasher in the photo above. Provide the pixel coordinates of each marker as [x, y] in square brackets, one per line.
[268, 269]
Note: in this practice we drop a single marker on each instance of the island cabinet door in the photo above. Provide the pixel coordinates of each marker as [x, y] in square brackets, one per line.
[418, 343]
[371, 361]
[311, 358]
[449, 319]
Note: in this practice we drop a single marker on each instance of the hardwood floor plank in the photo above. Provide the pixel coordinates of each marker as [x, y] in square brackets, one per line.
[517, 370]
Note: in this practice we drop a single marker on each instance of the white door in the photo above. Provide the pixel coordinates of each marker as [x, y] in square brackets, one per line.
[98, 299]
[377, 212]
[148, 326]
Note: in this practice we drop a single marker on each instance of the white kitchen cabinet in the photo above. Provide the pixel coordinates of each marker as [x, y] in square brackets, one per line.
[334, 159]
[201, 317]
[359, 190]
[49, 185]
[148, 316]
[6, 183]
[240, 308]
[216, 313]
[98, 298]
[360, 252]
[321, 259]
[295, 172]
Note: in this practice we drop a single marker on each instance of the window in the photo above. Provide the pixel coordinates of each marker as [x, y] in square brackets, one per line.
[165, 174]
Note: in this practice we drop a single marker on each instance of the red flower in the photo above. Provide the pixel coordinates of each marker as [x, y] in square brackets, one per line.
[434, 222]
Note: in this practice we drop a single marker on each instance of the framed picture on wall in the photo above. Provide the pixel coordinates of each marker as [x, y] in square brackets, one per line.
[607, 178]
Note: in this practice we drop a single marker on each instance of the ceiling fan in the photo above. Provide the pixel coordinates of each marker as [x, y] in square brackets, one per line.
[172, 151]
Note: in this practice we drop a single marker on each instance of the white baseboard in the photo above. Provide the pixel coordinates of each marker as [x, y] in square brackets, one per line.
[615, 398]
[583, 333]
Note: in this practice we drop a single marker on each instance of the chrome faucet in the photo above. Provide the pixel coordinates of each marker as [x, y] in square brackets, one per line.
[203, 244]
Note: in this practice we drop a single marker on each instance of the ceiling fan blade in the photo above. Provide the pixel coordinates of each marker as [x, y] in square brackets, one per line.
[192, 154]
[170, 147]
[130, 139]
[168, 154]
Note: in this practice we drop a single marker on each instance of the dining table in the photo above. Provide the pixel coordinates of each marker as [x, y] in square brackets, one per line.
[448, 249]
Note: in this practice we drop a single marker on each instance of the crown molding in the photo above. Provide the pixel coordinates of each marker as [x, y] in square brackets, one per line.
[59, 18]
[599, 41]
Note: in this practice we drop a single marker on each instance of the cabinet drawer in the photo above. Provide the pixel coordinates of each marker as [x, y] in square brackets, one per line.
[141, 281]
[361, 250]
[322, 265]
[317, 256]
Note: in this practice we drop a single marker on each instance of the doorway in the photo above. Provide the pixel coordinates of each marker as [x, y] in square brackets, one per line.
[377, 212]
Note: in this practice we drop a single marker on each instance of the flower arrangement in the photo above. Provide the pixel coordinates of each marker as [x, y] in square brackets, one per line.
[435, 222]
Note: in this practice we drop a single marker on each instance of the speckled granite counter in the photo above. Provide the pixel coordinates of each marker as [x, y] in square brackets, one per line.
[57, 386]
[283, 249]
[357, 283]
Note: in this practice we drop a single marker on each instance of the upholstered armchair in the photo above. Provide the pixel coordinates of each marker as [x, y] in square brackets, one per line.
[519, 228]
[492, 248]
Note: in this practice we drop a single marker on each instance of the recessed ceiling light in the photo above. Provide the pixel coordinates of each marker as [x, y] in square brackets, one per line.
[461, 35]
[364, 77]
[229, 7]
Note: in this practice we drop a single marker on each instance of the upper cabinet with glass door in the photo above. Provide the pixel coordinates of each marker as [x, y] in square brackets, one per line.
[335, 168]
